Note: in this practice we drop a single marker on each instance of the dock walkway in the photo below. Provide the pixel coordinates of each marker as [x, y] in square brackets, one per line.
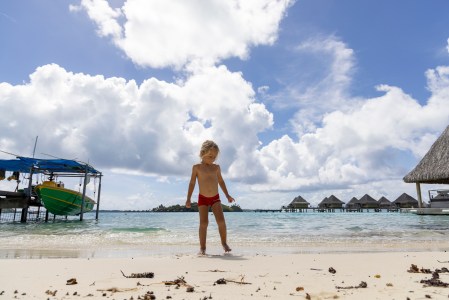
[332, 210]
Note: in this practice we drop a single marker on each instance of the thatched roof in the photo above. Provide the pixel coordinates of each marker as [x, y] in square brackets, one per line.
[325, 200]
[434, 166]
[353, 200]
[331, 202]
[367, 199]
[332, 199]
[384, 200]
[298, 200]
[405, 198]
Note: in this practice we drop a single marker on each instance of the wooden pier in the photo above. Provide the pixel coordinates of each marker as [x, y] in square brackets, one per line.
[268, 210]
[328, 210]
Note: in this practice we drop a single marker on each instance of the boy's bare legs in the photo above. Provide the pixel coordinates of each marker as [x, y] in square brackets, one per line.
[204, 222]
[219, 218]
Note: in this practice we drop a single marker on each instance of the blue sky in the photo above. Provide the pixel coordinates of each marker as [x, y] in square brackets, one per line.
[307, 98]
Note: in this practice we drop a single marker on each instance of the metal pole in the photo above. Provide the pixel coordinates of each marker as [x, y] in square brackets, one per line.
[84, 195]
[98, 198]
[418, 191]
[35, 144]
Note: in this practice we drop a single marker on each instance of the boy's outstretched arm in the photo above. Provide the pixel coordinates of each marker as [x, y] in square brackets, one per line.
[223, 186]
[191, 187]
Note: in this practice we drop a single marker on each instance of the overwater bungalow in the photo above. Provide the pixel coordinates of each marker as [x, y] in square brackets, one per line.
[353, 204]
[298, 203]
[385, 203]
[323, 203]
[368, 202]
[331, 202]
[406, 201]
[433, 167]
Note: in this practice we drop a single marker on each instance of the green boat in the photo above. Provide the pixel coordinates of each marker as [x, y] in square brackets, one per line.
[61, 201]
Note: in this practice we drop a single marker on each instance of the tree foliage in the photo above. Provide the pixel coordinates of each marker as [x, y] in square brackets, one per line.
[194, 208]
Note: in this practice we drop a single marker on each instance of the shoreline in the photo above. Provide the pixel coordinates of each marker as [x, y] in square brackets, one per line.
[276, 276]
[133, 251]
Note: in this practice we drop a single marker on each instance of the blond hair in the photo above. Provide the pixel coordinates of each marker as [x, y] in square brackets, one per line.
[207, 146]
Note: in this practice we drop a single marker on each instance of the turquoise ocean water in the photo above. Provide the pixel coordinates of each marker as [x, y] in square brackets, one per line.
[124, 234]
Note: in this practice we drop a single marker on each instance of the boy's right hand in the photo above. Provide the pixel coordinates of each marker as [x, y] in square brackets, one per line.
[188, 204]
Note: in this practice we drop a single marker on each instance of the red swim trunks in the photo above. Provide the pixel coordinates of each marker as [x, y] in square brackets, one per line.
[209, 201]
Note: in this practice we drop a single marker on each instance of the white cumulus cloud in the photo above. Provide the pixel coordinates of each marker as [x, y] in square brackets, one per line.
[374, 140]
[158, 33]
[154, 128]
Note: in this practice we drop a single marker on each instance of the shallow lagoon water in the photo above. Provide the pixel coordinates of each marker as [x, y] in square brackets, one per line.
[124, 234]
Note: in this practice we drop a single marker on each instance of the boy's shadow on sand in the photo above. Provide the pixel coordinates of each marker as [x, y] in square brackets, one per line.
[226, 256]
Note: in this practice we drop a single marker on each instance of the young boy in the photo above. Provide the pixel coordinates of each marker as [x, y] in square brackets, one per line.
[209, 177]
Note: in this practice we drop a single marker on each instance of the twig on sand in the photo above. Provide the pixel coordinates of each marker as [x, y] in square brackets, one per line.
[116, 290]
[361, 285]
[434, 281]
[178, 281]
[415, 269]
[224, 281]
[139, 275]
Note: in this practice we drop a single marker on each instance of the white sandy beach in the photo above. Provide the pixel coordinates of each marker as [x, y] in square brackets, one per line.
[278, 276]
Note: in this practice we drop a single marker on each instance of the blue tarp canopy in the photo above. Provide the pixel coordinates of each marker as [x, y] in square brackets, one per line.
[46, 166]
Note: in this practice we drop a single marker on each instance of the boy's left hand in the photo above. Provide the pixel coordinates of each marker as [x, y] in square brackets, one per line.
[230, 199]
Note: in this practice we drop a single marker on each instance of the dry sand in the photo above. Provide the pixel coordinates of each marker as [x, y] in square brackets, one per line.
[280, 276]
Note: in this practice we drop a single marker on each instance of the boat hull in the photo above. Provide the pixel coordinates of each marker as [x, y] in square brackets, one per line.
[441, 200]
[63, 202]
[439, 203]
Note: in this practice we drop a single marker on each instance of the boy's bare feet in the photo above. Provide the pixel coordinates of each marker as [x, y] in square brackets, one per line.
[227, 248]
[202, 252]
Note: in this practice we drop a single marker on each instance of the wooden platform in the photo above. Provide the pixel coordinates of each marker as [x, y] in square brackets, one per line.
[13, 200]
[13, 203]
[12, 194]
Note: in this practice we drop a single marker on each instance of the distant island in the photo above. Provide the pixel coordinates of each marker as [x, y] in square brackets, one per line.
[194, 208]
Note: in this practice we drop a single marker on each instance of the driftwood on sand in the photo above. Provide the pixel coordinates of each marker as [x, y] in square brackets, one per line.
[139, 275]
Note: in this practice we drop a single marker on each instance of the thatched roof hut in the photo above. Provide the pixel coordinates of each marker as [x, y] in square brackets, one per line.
[298, 202]
[331, 202]
[385, 203]
[434, 166]
[406, 201]
[353, 203]
[323, 203]
[368, 202]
